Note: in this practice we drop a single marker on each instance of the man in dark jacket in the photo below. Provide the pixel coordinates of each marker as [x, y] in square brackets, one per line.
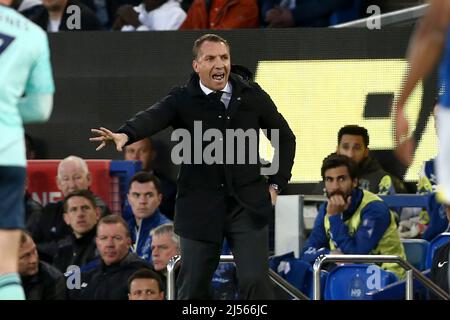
[109, 280]
[219, 197]
[63, 15]
[40, 280]
[353, 142]
[81, 214]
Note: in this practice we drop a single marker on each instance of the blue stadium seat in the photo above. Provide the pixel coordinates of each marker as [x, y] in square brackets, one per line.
[297, 272]
[354, 281]
[416, 252]
[440, 240]
[396, 291]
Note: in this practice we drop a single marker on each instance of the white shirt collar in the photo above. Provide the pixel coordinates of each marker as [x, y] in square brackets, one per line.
[207, 90]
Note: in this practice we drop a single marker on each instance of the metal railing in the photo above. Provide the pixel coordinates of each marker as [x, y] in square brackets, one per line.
[171, 265]
[279, 281]
[390, 18]
[410, 272]
[286, 286]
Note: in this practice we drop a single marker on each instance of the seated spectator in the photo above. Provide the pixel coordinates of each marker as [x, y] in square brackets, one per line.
[108, 281]
[143, 151]
[40, 280]
[81, 214]
[150, 15]
[54, 16]
[144, 196]
[73, 174]
[352, 221]
[220, 14]
[145, 284]
[165, 245]
[353, 142]
[300, 13]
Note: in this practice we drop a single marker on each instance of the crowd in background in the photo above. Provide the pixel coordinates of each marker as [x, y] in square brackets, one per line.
[145, 15]
[66, 233]
[130, 253]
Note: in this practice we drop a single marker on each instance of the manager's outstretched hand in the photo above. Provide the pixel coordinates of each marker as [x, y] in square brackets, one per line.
[105, 135]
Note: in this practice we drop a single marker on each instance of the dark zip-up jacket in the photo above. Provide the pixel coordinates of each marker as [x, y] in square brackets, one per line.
[110, 282]
[73, 251]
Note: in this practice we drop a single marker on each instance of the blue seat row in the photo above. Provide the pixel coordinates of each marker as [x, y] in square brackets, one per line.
[420, 252]
[359, 281]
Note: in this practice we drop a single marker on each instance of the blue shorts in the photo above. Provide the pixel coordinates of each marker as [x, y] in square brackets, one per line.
[12, 192]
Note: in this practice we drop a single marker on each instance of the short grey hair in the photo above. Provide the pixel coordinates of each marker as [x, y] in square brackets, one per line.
[166, 228]
[79, 161]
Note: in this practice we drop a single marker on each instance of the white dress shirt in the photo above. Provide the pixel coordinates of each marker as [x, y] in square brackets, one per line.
[226, 95]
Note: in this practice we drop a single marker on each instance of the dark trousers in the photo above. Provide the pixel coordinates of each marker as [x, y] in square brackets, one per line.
[12, 188]
[199, 259]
